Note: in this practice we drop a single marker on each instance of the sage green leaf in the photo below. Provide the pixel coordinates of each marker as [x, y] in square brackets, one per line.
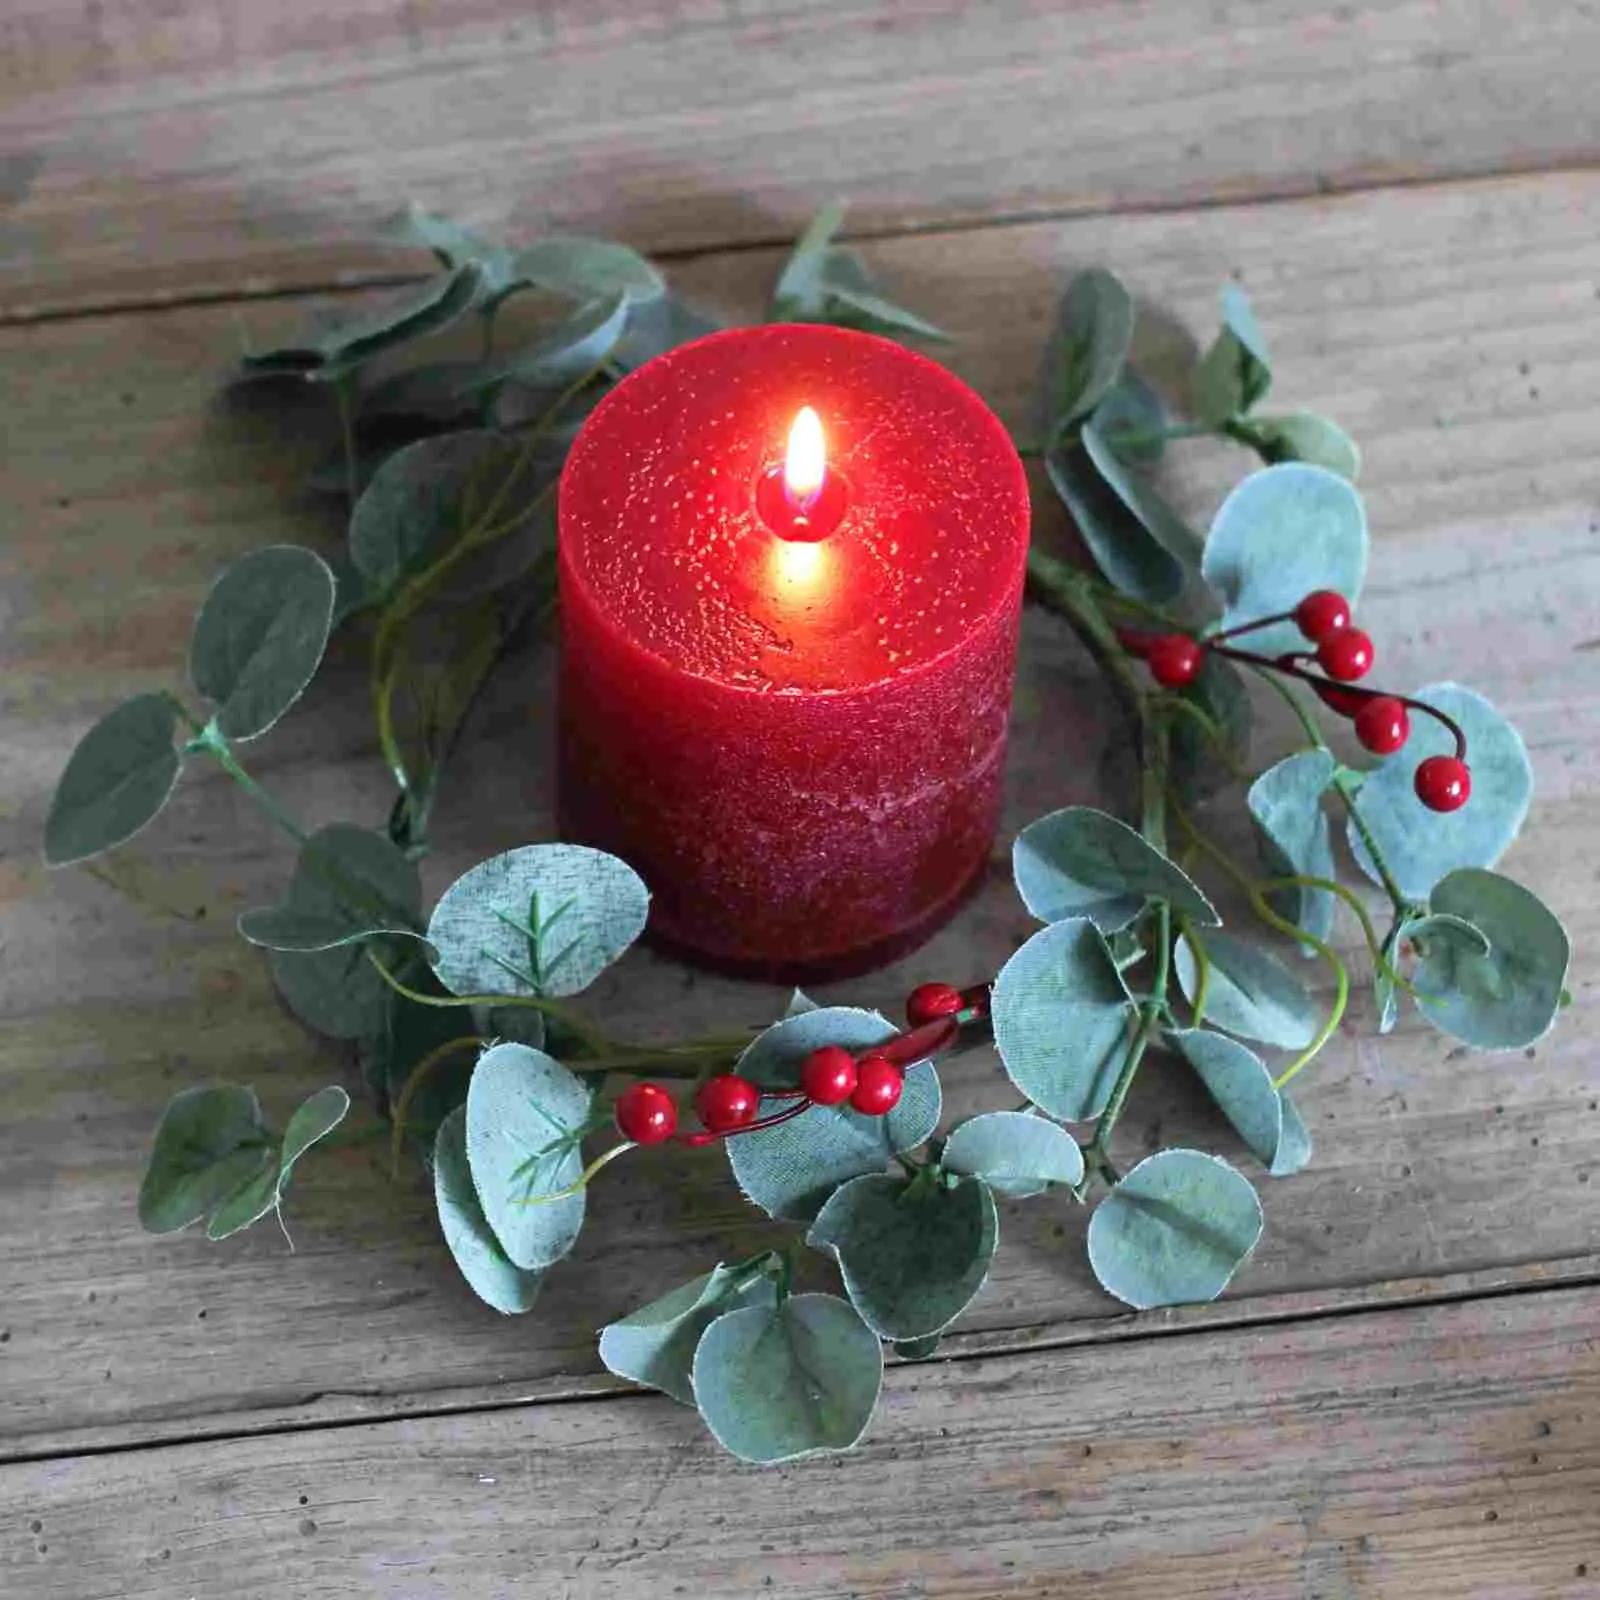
[577, 347]
[913, 1254]
[314, 1118]
[1206, 753]
[1422, 846]
[494, 1278]
[917, 1349]
[335, 991]
[1238, 1080]
[547, 919]
[587, 269]
[439, 392]
[249, 1203]
[1132, 420]
[336, 346]
[1281, 533]
[1061, 1016]
[260, 635]
[790, 1170]
[1134, 489]
[1296, 841]
[423, 501]
[1507, 997]
[406, 1036]
[1080, 862]
[525, 1119]
[292, 928]
[1251, 992]
[657, 326]
[1236, 372]
[211, 1143]
[1087, 348]
[1305, 436]
[1174, 1231]
[655, 1345]
[116, 780]
[775, 1383]
[317, 1116]
[1015, 1153]
[1455, 931]
[452, 243]
[1127, 553]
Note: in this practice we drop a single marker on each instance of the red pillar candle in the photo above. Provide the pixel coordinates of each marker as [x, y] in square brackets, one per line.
[784, 703]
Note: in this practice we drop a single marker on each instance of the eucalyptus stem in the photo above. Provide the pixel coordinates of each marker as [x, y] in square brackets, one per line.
[344, 399]
[221, 751]
[1073, 594]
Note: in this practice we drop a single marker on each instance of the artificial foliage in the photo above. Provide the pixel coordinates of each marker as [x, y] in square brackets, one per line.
[515, 1100]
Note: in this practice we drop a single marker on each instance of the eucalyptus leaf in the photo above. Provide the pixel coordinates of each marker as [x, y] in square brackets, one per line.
[1134, 489]
[1127, 553]
[587, 269]
[525, 1119]
[1080, 862]
[494, 1278]
[314, 1119]
[1250, 993]
[334, 991]
[775, 1383]
[1305, 436]
[913, 1254]
[294, 928]
[260, 635]
[1504, 998]
[578, 347]
[917, 1349]
[1296, 840]
[1061, 1017]
[1087, 348]
[408, 1035]
[1132, 419]
[452, 243]
[249, 1203]
[1238, 1080]
[211, 1143]
[1281, 533]
[1421, 846]
[1236, 372]
[1174, 1230]
[1015, 1153]
[790, 1170]
[1206, 754]
[655, 1345]
[116, 780]
[546, 920]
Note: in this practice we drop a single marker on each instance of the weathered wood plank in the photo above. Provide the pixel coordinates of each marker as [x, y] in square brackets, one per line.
[1411, 318]
[1426, 1453]
[234, 148]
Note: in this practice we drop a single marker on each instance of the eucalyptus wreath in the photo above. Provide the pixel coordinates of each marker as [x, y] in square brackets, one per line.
[463, 1016]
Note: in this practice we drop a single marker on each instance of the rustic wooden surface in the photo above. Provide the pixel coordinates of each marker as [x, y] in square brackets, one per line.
[1392, 1399]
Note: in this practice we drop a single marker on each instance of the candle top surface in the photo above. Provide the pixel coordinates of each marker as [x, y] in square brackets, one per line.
[661, 531]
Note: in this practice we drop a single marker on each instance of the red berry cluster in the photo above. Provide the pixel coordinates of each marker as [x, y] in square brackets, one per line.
[1345, 654]
[870, 1083]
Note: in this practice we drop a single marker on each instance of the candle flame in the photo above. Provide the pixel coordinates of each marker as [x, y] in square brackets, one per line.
[807, 463]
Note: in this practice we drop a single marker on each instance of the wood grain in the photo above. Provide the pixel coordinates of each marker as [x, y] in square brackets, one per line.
[154, 152]
[1433, 1453]
[1455, 331]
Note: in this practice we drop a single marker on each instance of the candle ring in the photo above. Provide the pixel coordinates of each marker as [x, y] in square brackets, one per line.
[804, 520]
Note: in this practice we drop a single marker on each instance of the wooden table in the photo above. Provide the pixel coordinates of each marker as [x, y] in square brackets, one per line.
[1400, 1396]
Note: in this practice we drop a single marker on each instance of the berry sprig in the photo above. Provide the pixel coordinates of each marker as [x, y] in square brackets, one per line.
[1345, 654]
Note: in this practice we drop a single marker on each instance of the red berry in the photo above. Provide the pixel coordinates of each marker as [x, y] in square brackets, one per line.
[878, 1085]
[726, 1102]
[829, 1075]
[1382, 725]
[1347, 702]
[1174, 660]
[646, 1114]
[1443, 783]
[1323, 612]
[1346, 655]
[930, 1001]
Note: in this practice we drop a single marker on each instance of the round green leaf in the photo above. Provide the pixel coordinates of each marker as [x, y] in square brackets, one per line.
[249, 1203]
[336, 992]
[1203, 763]
[1236, 371]
[790, 1170]
[292, 928]
[259, 637]
[1139, 495]
[1507, 997]
[1251, 992]
[1126, 552]
[1085, 863]
[494, 1279]
[1238, 1080]
[1087, 347]
[1304, 436]
[1283, 532]
[913, 1255]
[1061, 1014]
[1174, 1231]
[525, 1119]
[211, 1143]
[116, 780]
[1296, 841]
[314, 1118]
[574, 348]
[655, 1345]
[547, 919]
[1421, 846]
[1015, 1153]
[775, 1383]
[1132, 420]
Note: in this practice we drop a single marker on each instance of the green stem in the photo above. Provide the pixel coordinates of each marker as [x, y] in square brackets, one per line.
[344, 398]
[215, 745]
[1072, 594]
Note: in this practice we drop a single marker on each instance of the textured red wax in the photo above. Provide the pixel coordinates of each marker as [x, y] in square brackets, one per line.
[799, 747]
